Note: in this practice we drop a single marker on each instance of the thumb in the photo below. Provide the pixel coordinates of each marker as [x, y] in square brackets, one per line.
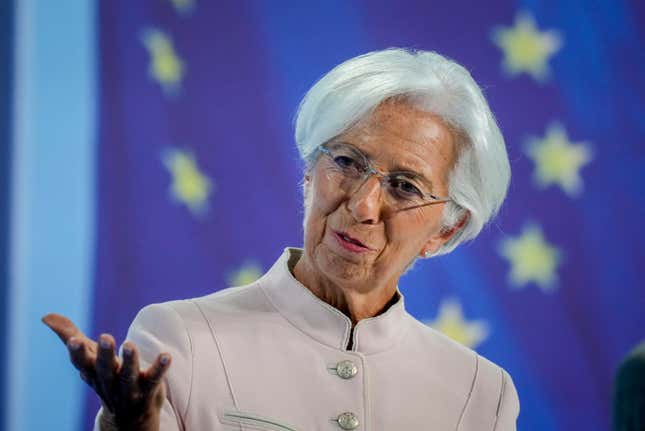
[62, 326]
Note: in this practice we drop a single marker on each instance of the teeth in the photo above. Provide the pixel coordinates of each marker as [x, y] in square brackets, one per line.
[348, 239]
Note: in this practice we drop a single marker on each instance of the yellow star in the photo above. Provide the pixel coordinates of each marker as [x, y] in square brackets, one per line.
[183, 6]
[189, 186]
[165, 66]
[246, 274]
[525, 48]
[532, 259]
[557, 160]
[450, 321]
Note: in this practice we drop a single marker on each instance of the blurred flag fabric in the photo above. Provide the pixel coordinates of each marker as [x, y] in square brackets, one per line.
[199, 181]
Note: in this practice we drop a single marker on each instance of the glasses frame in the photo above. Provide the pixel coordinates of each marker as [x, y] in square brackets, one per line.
[370, 170]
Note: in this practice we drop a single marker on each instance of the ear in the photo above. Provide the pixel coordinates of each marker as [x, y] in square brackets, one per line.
[443, 236]
[306, 186]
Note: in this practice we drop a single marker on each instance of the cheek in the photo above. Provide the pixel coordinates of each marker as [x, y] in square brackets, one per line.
[409, 234]
[324, 197]
[322, 202]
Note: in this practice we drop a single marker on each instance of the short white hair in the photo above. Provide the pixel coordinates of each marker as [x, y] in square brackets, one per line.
[354, 89]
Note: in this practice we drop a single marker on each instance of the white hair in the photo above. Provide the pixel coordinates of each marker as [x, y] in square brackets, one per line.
[352, 90]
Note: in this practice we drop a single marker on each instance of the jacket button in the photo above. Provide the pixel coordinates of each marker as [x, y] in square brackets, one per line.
[346, 369]
[347, 421]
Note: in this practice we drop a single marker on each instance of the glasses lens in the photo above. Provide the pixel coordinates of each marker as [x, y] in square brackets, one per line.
[348, 161]
[347, 166]
[403, 191]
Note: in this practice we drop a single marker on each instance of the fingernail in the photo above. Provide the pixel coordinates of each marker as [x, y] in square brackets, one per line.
[73, 344]
[127, 351]
[105, 344]
[164, 360]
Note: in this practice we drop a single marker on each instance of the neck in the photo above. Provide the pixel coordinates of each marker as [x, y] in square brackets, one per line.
[356, 301]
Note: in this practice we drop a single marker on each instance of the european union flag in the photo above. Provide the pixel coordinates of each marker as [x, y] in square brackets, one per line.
[199, 176]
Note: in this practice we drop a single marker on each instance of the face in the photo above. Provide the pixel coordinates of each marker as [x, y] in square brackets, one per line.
[355, 238]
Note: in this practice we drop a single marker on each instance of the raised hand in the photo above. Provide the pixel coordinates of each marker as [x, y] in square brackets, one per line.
[132, 398]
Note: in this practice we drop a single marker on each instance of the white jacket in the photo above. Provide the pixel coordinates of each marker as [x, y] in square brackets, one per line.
[272, 356]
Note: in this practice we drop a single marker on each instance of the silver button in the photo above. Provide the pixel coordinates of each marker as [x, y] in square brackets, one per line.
[346, 369]
[347, 421]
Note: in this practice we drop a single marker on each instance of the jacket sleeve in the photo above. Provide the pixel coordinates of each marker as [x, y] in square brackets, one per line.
[509, 405]
[159, 328]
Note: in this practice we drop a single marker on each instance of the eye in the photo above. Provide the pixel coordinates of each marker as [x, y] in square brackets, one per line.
[345, 162]
[405, 188]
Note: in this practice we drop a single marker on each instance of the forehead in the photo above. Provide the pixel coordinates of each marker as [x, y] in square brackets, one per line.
[398, 135]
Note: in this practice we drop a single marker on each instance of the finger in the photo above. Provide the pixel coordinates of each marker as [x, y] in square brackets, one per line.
[106, 360]
[82, 354]
[84, 358]
[153, 376]
[129, 371]
[106, 366]
[62, 326]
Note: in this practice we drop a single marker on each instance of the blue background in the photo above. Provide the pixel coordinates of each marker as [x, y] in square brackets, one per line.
[91, 230]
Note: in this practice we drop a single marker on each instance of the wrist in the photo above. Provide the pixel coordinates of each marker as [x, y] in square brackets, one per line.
[106, 420]
[109, 422]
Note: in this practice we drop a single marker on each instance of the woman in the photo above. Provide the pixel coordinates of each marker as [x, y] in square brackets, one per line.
[403, 160]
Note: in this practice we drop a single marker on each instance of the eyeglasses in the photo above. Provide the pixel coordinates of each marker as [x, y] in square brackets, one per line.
[349, 168]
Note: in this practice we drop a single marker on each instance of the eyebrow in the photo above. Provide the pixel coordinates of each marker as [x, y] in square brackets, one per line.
[398, 170]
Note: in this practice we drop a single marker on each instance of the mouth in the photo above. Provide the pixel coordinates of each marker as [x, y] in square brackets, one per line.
[349, 243]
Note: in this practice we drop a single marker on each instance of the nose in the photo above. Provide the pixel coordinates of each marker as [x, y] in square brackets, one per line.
[365, 203]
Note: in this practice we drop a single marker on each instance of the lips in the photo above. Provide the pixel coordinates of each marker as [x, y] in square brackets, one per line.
[350, 242]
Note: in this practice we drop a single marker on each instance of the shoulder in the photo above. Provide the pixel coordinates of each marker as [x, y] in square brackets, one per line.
[188, 316]
[225, 299]
[186, 330]
[490, 388]
[442, 350]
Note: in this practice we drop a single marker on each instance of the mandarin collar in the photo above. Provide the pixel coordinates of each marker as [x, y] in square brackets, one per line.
[324, 323]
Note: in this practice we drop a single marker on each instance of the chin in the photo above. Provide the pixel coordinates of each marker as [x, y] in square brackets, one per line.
[340, 268]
